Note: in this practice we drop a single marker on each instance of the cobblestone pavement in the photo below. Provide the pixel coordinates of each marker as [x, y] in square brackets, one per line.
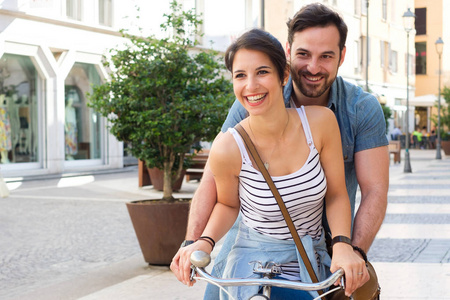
[412, 250]
[56, 230]
[71, 238]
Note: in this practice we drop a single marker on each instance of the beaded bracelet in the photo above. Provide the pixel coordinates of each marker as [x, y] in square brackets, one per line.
[361, 251]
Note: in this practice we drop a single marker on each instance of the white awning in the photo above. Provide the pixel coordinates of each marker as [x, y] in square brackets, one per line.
[425, 100]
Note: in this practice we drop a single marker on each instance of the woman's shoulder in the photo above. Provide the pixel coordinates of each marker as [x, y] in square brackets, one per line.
[224, 147]
[224, 156]
[316, 113]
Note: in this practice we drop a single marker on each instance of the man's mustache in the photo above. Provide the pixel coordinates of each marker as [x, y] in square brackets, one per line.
[307, 73]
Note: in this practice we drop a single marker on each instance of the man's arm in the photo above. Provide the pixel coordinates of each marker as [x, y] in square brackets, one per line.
[205, 196]
[372, 172]
[202, 204]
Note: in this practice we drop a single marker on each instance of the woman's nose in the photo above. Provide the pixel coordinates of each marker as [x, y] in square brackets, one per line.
[252, 83]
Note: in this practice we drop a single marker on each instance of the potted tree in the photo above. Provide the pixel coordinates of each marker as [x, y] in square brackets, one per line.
[445, 121]
[164, 96]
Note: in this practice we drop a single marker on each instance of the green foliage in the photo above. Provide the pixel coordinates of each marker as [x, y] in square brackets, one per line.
[387, 115]
[164, 95]
[445, 114]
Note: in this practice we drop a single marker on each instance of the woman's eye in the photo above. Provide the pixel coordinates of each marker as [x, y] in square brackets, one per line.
[240, 75]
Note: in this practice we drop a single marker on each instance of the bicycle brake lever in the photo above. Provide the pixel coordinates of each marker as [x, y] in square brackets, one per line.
[191, 278]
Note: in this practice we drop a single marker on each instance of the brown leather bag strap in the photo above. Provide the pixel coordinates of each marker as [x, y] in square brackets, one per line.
[298, 242]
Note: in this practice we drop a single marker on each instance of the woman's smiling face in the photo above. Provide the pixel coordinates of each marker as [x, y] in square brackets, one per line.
[256, 82]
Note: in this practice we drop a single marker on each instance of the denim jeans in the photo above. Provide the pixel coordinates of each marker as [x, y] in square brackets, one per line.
[212, 292]
[253, 246]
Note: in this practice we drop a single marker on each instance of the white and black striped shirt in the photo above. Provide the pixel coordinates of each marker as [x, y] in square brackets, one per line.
[302, 191]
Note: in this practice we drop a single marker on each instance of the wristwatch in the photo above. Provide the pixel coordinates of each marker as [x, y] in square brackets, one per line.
[186, 243]
[341, 239]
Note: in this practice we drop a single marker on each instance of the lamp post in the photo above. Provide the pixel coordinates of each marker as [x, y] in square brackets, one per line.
[408, 24]
[439, 47]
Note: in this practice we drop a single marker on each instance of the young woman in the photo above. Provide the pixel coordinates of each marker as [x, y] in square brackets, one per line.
[302, 151]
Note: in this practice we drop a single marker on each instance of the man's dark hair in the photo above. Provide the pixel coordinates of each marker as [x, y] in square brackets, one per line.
[259, 40]
[317, 15]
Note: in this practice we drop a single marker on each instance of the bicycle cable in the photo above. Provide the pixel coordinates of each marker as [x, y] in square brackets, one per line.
[326, 293]
[216, 284]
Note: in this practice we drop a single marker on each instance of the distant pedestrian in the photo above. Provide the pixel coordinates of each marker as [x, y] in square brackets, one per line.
[396, 133]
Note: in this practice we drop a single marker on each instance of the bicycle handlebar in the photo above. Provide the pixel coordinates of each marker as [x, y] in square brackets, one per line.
[200, 260]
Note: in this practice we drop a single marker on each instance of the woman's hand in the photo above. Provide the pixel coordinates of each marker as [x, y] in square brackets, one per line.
[354, 266]
[181, 263]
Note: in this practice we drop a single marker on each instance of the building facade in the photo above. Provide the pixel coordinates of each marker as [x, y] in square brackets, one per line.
[51, 54]
[431, 24]
[377, 63]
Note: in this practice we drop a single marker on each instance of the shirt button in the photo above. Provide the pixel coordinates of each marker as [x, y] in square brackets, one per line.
[345, 157]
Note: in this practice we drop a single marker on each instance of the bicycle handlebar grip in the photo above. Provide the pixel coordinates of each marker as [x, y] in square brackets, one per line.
[200, 259]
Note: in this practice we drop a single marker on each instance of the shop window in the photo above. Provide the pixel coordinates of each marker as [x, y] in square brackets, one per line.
[73, 9]
[421, 20]
[393, 58]
[421, 58]
[82, 126]
[364, 7]
[384, 10]
[383, 49]
[18, 110]
[105, 12]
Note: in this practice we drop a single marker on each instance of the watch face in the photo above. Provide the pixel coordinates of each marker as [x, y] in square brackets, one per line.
[186, 243]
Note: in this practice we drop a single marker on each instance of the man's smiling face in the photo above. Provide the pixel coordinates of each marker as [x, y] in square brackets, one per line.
[314, 60]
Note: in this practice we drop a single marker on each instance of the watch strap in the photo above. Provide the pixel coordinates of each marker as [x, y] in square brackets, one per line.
[341, 239]
[186, 243]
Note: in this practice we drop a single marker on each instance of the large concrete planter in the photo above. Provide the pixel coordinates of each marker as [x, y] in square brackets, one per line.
[160, 227]
[445, 145]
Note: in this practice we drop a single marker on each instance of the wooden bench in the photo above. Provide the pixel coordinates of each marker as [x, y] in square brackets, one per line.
[198, 162]
[194, 172]
[395, 148]
[143, 176]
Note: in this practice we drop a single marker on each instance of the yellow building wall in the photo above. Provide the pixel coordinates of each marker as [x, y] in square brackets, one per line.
[428, 84]
[277, 13]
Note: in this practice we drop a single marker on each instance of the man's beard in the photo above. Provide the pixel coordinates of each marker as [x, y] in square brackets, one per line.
[311, 91]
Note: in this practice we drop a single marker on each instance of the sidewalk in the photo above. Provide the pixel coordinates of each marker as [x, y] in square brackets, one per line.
[411, 252]
[399, 280]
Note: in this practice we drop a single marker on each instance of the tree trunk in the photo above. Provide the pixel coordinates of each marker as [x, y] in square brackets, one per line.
[167, 188]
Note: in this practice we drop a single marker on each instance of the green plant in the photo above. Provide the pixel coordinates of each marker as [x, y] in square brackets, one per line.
[165, 94]
[445, 114]
[387, 115]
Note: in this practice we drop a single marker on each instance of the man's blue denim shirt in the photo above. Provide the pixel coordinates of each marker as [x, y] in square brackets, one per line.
[362, 126]
[360, 118]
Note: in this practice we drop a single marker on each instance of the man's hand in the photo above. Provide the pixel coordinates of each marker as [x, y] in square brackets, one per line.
[181, 262]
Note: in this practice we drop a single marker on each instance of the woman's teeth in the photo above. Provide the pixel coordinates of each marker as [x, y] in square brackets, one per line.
[255, 99]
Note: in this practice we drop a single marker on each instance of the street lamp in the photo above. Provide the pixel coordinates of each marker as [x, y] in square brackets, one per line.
[408, 24]
[439, 47]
